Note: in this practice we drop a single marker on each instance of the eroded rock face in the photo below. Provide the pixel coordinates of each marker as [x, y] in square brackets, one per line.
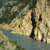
[22, 26]
[42, 29]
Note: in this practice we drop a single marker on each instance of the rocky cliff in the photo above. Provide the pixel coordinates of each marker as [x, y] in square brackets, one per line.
[34, 22]
[22, 26]
[17, 16]
[42, 29]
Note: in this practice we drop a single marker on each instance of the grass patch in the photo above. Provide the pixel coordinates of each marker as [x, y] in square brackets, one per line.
[2, 42]
[18, 45]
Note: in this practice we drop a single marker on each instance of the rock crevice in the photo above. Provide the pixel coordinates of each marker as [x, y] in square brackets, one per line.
[33, 23]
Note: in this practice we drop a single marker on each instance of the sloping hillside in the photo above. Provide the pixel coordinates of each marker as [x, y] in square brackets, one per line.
[27, 19]
[22, 26]
[7, 44]
[18, 16]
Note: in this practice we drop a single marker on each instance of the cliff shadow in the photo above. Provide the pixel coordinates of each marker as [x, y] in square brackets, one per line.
[33, 23]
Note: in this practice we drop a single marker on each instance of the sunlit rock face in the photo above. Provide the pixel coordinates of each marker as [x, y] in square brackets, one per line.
[42, 29]
[22, 26]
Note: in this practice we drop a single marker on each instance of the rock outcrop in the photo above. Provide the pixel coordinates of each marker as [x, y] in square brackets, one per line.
[42, 29]
[10, 2]
[21, 19]
[22, 26]
[1, 10]
[40, 24]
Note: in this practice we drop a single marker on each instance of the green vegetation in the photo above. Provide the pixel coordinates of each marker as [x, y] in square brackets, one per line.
[15, 25]
[2, 42]
[32, 2]
[13, 42]
[1, 2]
[18, 45]
[11, 5]
[7, 16]
[3, 47]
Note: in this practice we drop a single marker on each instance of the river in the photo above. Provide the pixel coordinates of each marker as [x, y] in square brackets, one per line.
[27, 42]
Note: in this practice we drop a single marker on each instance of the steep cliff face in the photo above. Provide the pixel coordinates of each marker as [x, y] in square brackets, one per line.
[22, 26]
[20, 15]
[42, 29]
[32, 23]
[17, 16]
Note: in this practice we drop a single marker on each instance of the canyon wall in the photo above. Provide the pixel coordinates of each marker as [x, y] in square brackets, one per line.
[22, 26]
[39, 27]
[42, 29]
